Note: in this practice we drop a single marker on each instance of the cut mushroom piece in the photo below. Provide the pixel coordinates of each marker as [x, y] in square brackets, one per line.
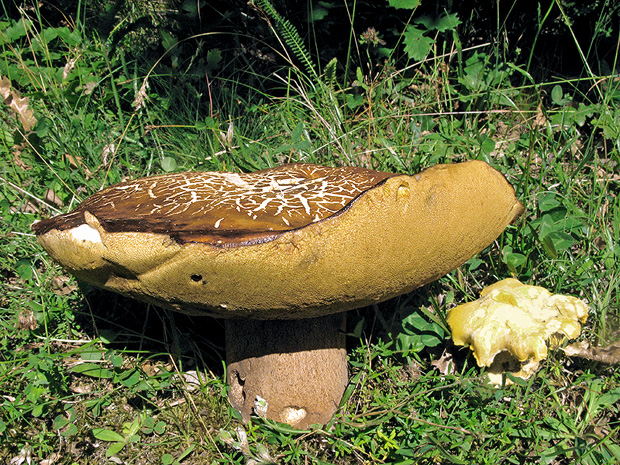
[297, 242]
[512, 325]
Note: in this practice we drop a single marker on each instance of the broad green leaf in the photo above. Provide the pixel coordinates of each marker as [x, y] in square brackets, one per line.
[297, 132]
[474, 263]
[404, 4]
[417, 45]
[318, 13]
[168, 164]
[60, 422]
[549, 246]
[93, 370]
[557, 214]
[354, 101]
[360, 78]
[168, 40]
[116, 361]
[546, 226]
[609, 398]
[488, 146]
[418, 332]
[561, 240]
[42, 127]
[441, 23]
[107, 336]
[130, 429]
[13, 33]
[513, 260]
[214, 58]
[107, 435]
[303, 146]
[37, 410]
[24, 269]
[70, 431]
[556, 94]
[91, 354]
[114, 449]
[447, 22]
[547, 201]
[130, 378]
[160, 427]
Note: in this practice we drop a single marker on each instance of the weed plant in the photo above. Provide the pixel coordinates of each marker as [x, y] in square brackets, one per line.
[91, 377]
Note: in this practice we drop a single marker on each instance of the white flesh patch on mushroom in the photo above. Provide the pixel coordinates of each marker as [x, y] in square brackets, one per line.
[86, 232]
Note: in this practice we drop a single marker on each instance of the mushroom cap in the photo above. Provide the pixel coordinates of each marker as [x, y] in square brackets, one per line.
[297, 241]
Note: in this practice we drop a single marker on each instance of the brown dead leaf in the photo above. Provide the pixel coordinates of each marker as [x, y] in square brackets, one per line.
[53, 197]
[18, 104]
[192, 380]
[445, 364]
[5, 87]
[609, 354]
[540, 120]
[26, 321]
[26, 207]
[108, 150]
[19, 163]
[76, 162]
[62, 285]
[80, 388]
[54, 458]
[24, 456]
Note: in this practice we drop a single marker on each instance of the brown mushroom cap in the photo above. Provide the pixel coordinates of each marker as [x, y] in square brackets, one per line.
[296, 241]
[220, 208]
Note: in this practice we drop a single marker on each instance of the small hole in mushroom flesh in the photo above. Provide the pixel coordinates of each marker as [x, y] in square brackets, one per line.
[196, 278]
[237, 392]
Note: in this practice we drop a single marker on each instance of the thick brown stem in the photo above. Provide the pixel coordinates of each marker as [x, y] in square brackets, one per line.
[299, 367]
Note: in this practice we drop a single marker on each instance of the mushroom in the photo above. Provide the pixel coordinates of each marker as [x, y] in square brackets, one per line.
[281, 254]
[512, 325]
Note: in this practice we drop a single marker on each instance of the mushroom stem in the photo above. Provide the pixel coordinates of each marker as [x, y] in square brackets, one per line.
[299, 367]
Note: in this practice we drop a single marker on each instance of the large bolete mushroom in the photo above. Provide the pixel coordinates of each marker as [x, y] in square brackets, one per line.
[282, 253]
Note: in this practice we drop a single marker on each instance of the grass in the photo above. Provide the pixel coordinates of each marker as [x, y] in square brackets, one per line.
[90, 377]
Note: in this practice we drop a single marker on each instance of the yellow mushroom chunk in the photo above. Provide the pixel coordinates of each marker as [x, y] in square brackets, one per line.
[512, 325]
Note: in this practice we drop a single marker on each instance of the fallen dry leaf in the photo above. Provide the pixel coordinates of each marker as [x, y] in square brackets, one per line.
[192, 379]
[540, 120]
[19, 163]
[18, 104]
[609, 354]
[26, 207]
[26, 321]
[62, 285]
[53, 197]
[444, 364]
[141, 96]
[5, 87]
[76, 162]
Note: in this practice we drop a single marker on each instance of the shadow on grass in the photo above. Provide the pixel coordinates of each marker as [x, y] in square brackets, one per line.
[194, 343]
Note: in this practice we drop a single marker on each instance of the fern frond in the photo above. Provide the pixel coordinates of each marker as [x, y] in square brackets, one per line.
[291, 37]
[330, 73]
